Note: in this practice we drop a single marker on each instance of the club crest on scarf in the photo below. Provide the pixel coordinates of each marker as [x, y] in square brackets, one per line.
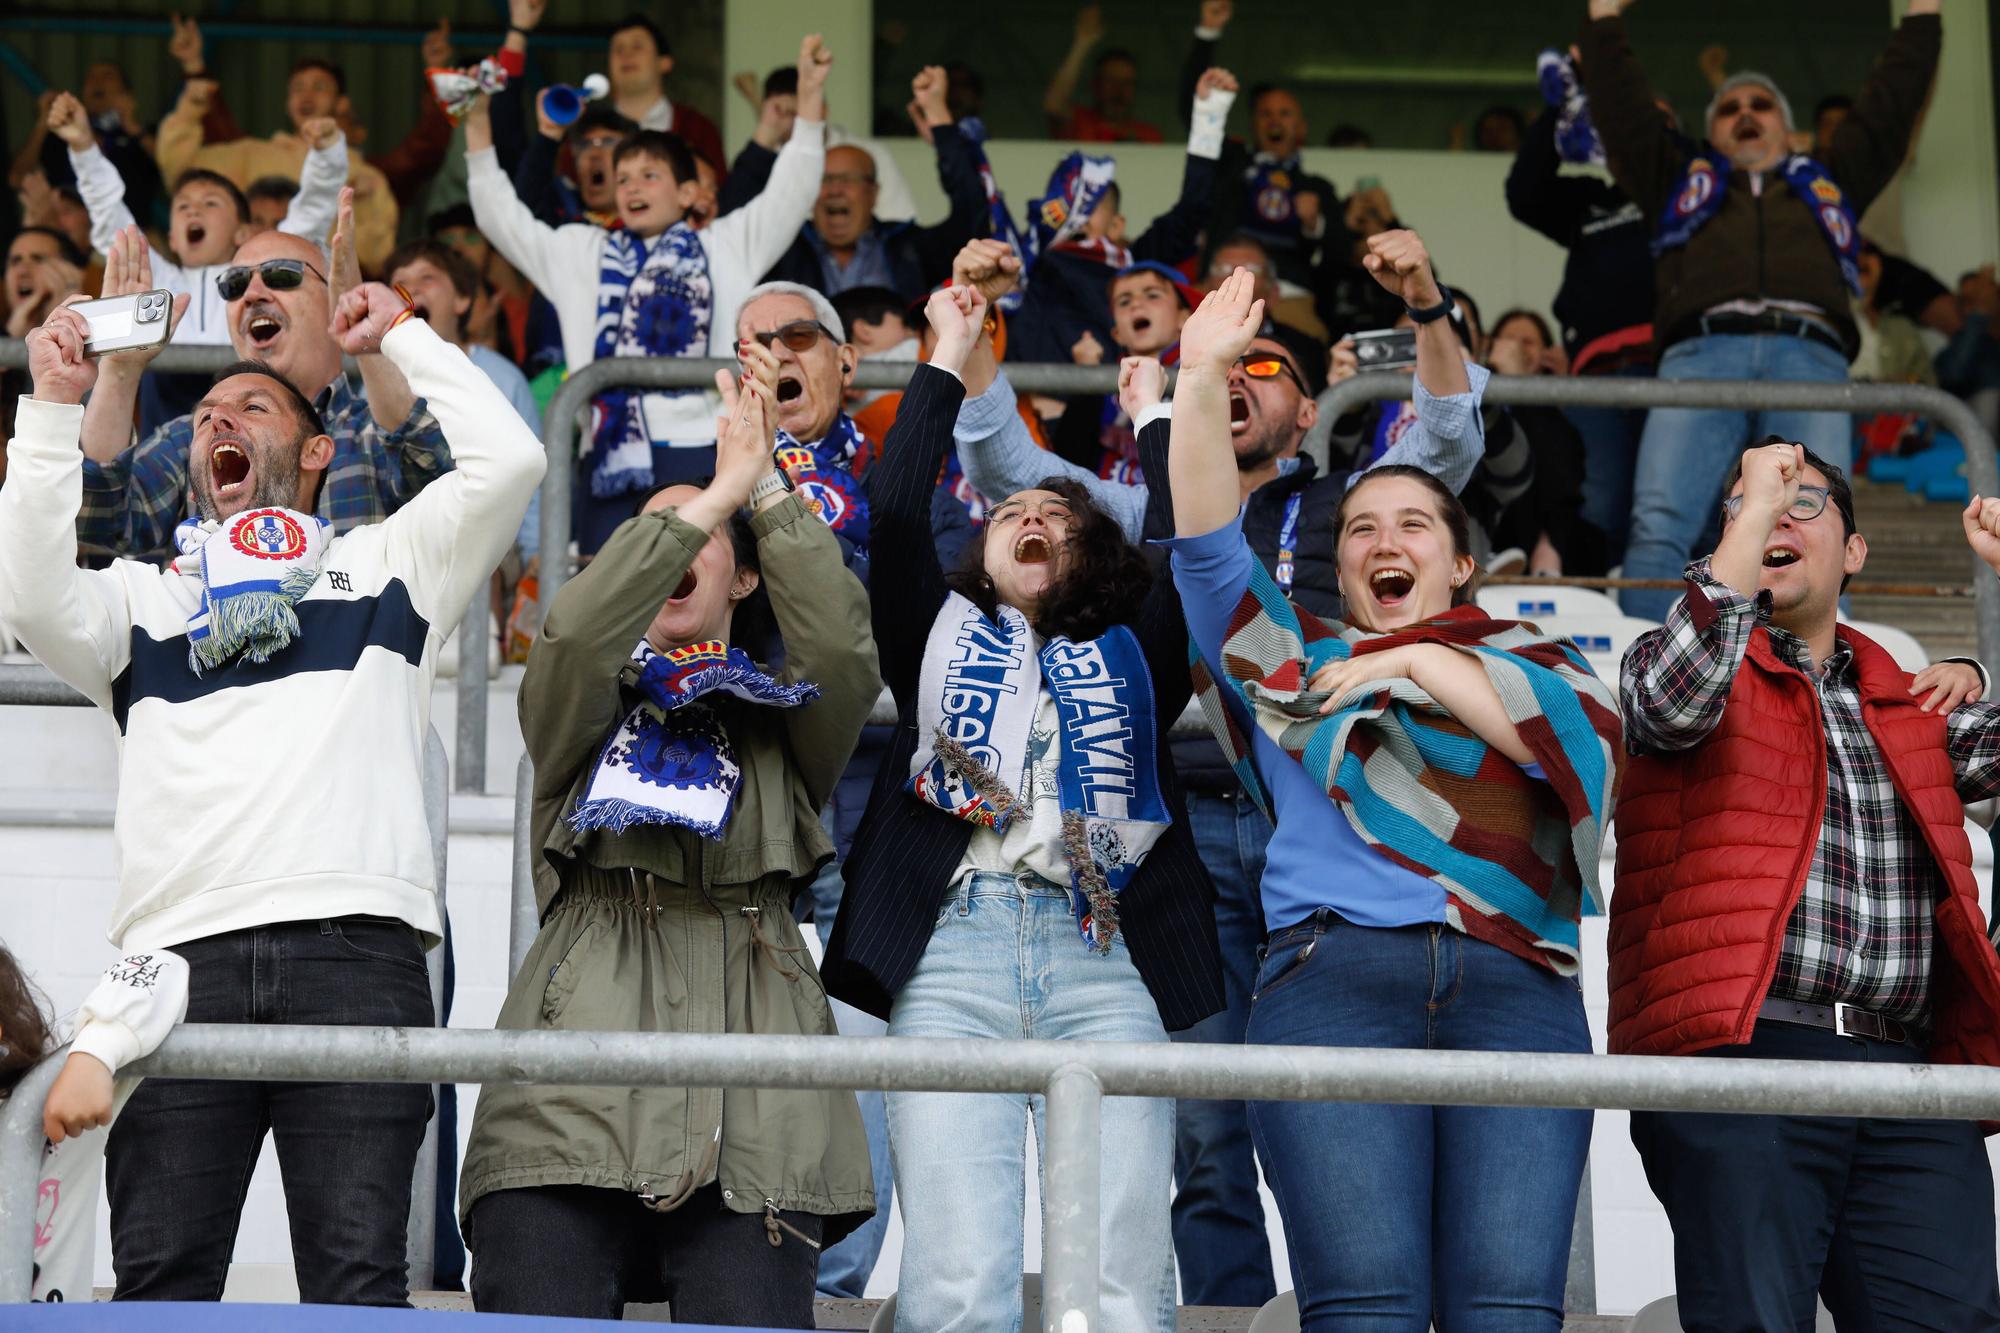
[653, 299]
[979, 687]
[253, 568]
[1078, 184]
[670, 760]
[1704, 185]
[822, 474]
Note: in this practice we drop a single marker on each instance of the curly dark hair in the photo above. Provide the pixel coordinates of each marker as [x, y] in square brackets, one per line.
[24, 1026]
[1107, 579]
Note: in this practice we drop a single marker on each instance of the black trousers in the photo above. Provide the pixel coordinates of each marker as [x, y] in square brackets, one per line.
[180, 1155]
[1890, 1222]
[583, 1252]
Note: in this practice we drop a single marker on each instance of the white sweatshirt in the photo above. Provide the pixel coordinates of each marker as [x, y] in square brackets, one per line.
[291, 790]
[207, 320]
[126, 1016]
[565, 263]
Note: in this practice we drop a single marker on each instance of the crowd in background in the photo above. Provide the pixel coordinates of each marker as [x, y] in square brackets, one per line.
[1004, 861]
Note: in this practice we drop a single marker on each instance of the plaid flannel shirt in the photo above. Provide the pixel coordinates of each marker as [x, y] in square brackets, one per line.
[132, 504]
[1862, 931]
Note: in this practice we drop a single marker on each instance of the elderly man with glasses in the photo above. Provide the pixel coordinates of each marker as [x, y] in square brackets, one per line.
[386, 444]
[1756, 258]
[1794, 882]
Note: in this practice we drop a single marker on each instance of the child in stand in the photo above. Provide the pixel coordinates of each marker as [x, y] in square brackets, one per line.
[1149, 303]
[661, 287]
[129, 1013]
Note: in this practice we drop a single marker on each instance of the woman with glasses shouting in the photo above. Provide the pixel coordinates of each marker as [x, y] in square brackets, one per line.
[1024, 868]
[1439, 783]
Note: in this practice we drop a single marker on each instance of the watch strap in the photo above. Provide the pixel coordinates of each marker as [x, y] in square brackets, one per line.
[774, 482]
[1429, 314]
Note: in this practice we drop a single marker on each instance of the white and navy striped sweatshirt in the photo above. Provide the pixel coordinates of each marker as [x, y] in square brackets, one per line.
[290, 790]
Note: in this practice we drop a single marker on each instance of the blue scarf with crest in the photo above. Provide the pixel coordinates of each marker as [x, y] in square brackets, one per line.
[653, 299]
[1268, 183]
[1704, 183]
[669, 761]
[823, 475]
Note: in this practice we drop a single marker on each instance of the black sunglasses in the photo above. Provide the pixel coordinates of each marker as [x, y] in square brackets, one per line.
[1264, 366]
[280, 275]
[799, 335]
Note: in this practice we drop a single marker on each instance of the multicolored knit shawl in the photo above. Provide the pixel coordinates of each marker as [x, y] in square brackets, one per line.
[1514, 854]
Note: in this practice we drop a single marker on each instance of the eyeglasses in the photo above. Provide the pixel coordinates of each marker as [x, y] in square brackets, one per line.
[1007, 511]
[800, 335]
[1809, 505]
[280, 275]
[846, 178]
[1761, 105]
[1269, 368]
[590, 142]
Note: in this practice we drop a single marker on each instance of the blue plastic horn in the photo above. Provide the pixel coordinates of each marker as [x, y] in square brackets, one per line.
[562, 103]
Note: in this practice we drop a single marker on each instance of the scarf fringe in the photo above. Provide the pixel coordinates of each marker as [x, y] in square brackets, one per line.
[998, 796]
[263, 623]
[614, 816]
[1090, 881]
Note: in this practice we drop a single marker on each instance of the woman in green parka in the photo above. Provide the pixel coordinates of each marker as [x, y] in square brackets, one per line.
[676, 805]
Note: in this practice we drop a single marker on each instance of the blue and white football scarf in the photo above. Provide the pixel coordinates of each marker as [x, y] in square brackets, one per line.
[1268, 183]
[252, 569]
[653, 299]
[1704, 184]
[999, 217]
[1576, 135]
[823, 475]
[976, 705]
[670, 761]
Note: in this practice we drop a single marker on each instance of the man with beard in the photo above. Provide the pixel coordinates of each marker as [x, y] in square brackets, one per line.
[1218, 1220]
[1756, 261]
[273, 691]
[386, 445]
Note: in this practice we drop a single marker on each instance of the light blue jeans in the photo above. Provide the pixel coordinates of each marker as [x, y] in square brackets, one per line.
[1686, 453]
[1005, 960]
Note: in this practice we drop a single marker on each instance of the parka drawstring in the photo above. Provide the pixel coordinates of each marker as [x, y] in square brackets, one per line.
[775, 954]
[690, 1180]
[773, 1222]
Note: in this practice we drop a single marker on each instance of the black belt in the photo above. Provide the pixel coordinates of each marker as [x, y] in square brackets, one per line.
[1842, 1018]
[1771, 321]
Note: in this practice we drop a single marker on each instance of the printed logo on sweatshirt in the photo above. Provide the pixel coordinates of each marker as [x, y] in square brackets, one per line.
[267, 534]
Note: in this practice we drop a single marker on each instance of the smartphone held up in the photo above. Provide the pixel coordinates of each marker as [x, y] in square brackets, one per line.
[137, 319]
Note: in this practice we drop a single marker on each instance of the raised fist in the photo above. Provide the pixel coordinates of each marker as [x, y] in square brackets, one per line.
[928, 89]
[815, 61]
[1214, 80]
[1982, 526]
[364, 316]
[1402, 265]
[990, 267]
[437, 46]
[1089, 25]
[68, 121]
[1771, 474]
[1087, 351]
[321, 132]
[525, 14]
[1142, 384]
[958, 316]
[1215, 14]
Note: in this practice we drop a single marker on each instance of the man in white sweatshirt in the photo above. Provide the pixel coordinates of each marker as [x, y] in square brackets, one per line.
[656, 286]
[273, 691]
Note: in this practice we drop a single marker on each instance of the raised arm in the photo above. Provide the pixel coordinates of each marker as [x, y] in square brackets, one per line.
[1201, 461]
[1173, 235]
[317, 204]
[548, 257]
[1643, 157]
[1399, 261]
[75, 621]
[762, 230]
[449, 537]
[107, 421]
[1062, 84]
[102, 188]
[1538, 194]
[1873, 141]
[390, 398]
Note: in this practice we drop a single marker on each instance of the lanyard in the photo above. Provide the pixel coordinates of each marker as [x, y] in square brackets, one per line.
[1287, 540]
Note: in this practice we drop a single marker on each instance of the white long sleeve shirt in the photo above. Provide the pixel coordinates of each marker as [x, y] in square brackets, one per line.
[206, 321]
[565, 262]
[293, 789]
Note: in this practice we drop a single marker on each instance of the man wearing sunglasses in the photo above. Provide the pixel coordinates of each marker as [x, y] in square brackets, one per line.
[1794, 883]
[1757, 261]
[386, 444]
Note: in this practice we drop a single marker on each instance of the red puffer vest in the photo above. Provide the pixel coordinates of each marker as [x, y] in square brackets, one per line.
[1714, 844]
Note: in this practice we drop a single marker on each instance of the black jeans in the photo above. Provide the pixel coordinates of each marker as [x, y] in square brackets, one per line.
[1889, 1221]
[180, 1155]
[582, 1252]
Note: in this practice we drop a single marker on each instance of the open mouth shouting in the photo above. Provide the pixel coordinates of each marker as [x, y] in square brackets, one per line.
[1239, 413]
[196, 233]
[790, 386]
[1032, 548]
[262, 324]
[637, 209]
[1391, 587]
[1142, 323]
[228, 470]
[685, 589]
[1778, 557]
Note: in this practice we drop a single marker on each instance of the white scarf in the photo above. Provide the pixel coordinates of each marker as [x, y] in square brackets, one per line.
[252, 569]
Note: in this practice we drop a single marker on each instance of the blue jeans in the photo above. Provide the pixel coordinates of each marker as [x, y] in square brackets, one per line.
[1687, 453]
[1005, 960]
[1219, 1236]
[1401, 1216]
[1889, 1221]
[179, 1158]
[1610, 455]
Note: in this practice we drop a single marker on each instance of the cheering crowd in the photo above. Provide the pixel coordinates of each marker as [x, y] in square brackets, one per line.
[1387, 839]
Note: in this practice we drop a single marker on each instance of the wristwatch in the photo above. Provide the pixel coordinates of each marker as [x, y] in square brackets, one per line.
[774, 482]
[1429, 314]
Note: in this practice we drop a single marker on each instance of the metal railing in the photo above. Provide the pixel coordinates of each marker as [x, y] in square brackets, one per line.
[1074, 1075]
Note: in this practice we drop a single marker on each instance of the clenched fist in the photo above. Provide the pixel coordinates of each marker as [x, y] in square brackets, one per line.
[364, 316]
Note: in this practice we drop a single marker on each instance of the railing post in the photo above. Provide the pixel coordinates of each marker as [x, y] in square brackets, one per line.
[21, 1176]
[1070, 1201]
[420, 1250]
[474, 643]
[523, 920]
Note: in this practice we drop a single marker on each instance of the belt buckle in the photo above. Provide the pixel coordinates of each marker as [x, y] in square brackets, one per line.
[1842, 1013]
